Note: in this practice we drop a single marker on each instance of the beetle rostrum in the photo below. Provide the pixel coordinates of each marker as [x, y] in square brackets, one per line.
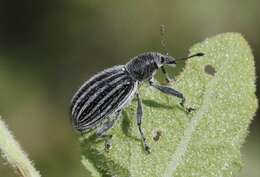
[99, 101]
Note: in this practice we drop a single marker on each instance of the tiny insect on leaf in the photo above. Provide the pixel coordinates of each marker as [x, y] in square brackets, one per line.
[100, 100]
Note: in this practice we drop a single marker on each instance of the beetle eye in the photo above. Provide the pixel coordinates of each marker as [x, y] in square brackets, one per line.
[162, 59]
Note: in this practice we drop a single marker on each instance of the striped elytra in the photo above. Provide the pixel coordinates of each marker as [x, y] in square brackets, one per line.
[101, 96]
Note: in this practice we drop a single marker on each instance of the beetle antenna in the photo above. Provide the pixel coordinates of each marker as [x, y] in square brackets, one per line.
[163, 39]
[200, 54]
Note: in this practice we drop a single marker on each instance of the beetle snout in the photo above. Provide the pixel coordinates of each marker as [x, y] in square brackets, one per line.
[170, 61]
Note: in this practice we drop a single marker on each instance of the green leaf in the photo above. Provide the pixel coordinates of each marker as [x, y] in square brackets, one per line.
[206, 142]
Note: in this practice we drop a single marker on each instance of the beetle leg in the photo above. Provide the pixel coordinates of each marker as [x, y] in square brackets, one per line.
[102, 132]
[139, 117]
[167, 77]
[172, 92]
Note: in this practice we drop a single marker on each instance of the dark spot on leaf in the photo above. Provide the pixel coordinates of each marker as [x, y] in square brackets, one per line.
[157, 135]
[210, 70]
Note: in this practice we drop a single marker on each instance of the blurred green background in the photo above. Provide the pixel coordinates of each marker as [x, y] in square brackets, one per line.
[48, 48]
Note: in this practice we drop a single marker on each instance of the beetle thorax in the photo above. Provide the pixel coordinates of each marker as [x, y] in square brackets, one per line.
[143, 66]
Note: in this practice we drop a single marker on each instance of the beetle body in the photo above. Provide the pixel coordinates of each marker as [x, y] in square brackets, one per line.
[108, 92]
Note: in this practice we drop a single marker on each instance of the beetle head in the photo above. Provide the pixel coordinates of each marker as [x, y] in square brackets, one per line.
[165, 60]
[168, 60]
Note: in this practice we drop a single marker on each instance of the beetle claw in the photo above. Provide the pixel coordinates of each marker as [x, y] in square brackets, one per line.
[190, 109]
[147, 149]
[108, 145]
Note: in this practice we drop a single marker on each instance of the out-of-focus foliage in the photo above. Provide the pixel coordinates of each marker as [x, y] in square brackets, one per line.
[12, 152]
[48, 48]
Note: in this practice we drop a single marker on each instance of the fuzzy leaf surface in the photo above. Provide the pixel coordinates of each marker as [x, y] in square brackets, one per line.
[206, 142]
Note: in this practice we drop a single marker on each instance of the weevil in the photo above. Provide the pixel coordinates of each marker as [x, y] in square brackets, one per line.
[100, 100]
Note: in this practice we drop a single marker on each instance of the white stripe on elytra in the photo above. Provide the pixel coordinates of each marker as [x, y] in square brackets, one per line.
[124, 103]
[126, 100]
[93, 85]
[93, 97]
[107, 108]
